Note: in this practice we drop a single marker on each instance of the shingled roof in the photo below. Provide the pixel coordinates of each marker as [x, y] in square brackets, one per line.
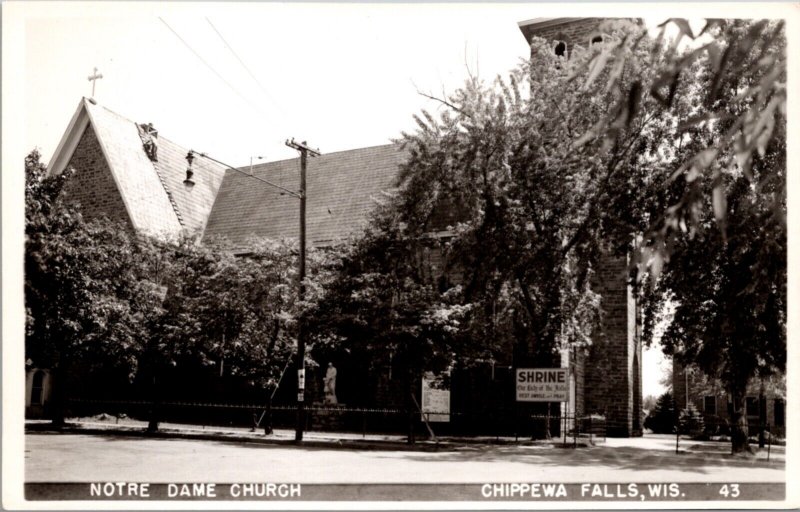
[341, 191]
[156, 200]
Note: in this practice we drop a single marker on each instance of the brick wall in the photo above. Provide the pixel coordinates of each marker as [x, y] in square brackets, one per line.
[92, 186]
[572, 32]
[579, 367]
[612, 372]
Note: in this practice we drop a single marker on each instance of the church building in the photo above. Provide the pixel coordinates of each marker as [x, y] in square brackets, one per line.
[130, 172]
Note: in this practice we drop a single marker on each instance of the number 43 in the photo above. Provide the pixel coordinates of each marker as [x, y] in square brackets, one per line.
[730, 490]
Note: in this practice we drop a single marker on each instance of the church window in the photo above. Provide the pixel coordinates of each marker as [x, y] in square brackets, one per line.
[37, 388]
[596, 39]
[561, 49]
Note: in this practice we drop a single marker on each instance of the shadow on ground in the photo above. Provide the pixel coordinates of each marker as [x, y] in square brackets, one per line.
[697, 458]
[598, 456]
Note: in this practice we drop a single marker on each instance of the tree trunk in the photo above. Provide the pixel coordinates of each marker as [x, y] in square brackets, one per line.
[58, 396]
[152, 426]
[410, 402]
[268, 418]
[762, 416]
[739, 431]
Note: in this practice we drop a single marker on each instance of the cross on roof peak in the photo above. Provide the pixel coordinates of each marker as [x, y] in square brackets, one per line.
[94, 77]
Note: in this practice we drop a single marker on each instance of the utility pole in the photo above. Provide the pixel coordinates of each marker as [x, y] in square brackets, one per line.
[304, 150]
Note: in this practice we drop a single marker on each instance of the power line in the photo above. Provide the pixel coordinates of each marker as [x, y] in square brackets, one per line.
[246, 68]
[259, 178]
[209, 66]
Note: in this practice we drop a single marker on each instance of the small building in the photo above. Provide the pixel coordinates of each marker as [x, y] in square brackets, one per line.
[765, 401]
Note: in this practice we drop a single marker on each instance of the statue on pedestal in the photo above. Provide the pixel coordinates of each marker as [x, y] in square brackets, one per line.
[330, 384]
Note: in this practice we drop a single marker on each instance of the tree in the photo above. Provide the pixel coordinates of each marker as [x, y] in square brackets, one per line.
[235, 313]
[85, 295]
[635, 143]
[691, 421]
[661, 420]
[99, 297]
[383, 303]
[527, 181]
[717, 250]
[518, 177]
[504, 156]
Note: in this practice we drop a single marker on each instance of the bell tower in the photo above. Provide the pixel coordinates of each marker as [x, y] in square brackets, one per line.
[608, 375]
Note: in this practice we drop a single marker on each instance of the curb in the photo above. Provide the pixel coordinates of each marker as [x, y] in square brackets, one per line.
[329, 443]
[167, 433]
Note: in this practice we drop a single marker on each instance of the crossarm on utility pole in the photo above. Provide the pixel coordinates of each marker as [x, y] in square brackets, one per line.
[302, 146]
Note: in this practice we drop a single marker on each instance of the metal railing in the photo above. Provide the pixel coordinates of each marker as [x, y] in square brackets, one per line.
[500, 424]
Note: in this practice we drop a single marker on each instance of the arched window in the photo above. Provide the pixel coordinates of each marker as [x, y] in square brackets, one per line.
[37, 389]
[561, 49]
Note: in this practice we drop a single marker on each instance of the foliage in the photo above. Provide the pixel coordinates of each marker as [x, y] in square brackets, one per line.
[84, 291]
[691, 421]
[384, 302]
[86, 295]
[238, 313]
[384, 305]
[138, 308]
[716, 245]
[536, 199]
[674, 151]
[661, 419]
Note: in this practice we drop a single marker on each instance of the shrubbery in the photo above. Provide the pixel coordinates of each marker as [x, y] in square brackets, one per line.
[661, 419]
[691, 421]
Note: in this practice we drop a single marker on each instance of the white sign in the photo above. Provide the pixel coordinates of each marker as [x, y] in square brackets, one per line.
[542, 385]
[435, 399]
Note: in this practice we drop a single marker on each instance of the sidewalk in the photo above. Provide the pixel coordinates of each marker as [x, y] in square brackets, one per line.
[279, 436]
[652, 443]
[129, 427]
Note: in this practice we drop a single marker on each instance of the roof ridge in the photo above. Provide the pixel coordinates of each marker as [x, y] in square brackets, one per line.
[132, 121]
[271, 162]
[95, 104]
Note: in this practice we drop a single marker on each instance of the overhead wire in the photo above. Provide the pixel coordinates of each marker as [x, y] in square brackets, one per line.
[213, 70]
[274, 190]
[234, 89]
[247, 68]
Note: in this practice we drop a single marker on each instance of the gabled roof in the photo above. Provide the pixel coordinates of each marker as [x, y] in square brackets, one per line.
[153, 192]
[341, 190]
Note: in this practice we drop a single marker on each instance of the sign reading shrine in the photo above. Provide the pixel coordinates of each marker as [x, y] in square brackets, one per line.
[542, 385]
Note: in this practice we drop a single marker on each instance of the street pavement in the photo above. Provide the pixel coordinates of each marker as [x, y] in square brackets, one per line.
[76, 457]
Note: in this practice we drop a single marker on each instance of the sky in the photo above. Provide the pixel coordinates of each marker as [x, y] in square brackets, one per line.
[338, 76]
[237, 80]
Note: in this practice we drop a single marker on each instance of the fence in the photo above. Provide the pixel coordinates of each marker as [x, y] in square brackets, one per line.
[364, 420]
[707, 427]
